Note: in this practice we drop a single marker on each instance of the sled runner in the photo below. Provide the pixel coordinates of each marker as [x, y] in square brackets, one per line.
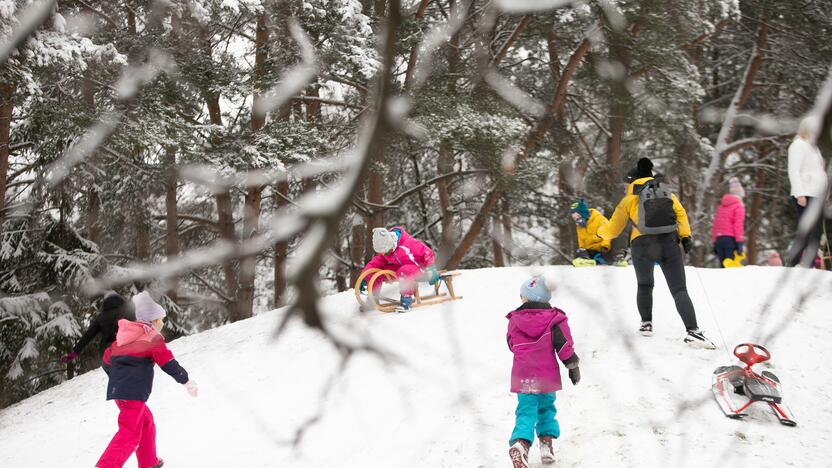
[374, 296]
[736, 388]
[735, 262]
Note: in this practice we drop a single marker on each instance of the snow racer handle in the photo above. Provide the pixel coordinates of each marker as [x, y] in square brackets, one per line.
[748, 353]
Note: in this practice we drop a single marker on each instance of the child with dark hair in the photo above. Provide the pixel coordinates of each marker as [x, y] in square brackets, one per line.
[105, 323]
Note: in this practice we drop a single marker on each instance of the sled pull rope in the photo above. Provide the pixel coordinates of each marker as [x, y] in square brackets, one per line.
[716, 321]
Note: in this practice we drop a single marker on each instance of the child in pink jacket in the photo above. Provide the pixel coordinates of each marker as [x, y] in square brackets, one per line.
[729, 222]
[131, 358]
[407, 257]
[537, 333]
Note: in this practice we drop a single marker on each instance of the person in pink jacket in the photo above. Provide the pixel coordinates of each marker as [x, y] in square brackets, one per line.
[729, 223]
[538, 335]
[409, 258]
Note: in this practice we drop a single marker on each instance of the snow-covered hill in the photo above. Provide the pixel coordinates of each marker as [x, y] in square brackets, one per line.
[441, 398]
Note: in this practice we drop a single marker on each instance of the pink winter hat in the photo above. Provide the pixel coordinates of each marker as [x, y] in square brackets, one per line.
[735, 187]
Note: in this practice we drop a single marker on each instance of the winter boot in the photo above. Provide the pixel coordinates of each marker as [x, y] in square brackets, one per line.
[405, 303]
[519, 453]
[646, 329]
[697, 339]
[621, 258]
[547, 449]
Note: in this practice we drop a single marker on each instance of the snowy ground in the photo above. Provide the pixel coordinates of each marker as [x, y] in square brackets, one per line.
[442, 400]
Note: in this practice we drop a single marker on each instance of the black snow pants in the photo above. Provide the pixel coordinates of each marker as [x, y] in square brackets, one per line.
[646, 250]
[812, 238]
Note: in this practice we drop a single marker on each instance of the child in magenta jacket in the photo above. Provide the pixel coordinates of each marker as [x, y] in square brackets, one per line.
[407, 257]
[137, 348]
[537, 333]
[729, 222]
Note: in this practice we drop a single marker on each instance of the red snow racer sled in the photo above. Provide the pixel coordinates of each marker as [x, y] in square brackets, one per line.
[385, 304]
[736, 388]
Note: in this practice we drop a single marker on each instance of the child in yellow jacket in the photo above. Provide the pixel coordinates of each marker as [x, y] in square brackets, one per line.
[587, 223]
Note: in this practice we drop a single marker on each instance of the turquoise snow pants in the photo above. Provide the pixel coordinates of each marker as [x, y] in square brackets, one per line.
[535, 412]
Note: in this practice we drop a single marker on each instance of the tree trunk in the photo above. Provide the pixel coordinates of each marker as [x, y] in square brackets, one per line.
[445, 166]
[532, 142]
[620, 102]
[93, 200]
[521, 26]
[141, 224]
[566, 234]
[445, 163]
[508, 237]
[356, 251]
[496, 239]
[248, 264]
[261, 38]
[225, 221]
[554, 61]
[6, 109]
[375, 194]
[411, 62]
[254, 195]
[706, 190]
[474, 230]
[131, 21]
[754, 209]
[93, 211]
[171, 218]
[281, 252]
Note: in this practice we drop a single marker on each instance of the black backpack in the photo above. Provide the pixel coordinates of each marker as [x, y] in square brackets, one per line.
[655, 209]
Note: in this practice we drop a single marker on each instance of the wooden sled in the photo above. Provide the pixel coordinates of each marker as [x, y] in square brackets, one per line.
[387, 304]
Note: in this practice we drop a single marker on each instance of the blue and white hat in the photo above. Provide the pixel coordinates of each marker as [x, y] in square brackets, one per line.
[535, 289]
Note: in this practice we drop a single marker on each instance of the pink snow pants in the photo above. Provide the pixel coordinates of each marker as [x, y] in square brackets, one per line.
[136, 433]
[408, 277]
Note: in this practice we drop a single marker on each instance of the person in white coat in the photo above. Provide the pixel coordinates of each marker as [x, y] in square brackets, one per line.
[807, 177]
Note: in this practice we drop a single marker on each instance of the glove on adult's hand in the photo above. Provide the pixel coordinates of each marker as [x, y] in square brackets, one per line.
[69, 357]
[687, 244]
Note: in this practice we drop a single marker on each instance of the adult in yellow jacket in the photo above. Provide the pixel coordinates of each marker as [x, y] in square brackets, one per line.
[648, 249]
[587, 222]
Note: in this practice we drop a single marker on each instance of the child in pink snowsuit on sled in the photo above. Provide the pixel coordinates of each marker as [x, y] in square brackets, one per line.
[538, 335]
[137, 349]
[408, 258]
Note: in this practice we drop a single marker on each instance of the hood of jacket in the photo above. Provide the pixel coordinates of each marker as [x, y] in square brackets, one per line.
[534, 319]
[129, 332]
[635, 186]
[729, 200]
[403, 235]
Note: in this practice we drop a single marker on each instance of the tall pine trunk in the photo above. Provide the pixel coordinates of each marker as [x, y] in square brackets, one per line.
[281, 252]
[254, 195]
[754, 209]
[6, 109]
[171, 218]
